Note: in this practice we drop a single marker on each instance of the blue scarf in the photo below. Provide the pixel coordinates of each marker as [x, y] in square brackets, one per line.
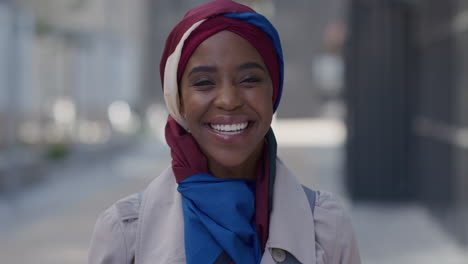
[219, 216]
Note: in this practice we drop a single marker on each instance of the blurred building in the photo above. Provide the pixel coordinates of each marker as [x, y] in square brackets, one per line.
[302, 26]
[407, 93]
[71, 74]
[16, 33]
[64, 63]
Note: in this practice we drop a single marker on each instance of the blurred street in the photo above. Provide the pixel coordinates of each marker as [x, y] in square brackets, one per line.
[53, 221]
[374, 110]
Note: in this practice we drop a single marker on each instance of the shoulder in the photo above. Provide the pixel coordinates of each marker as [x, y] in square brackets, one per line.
[115, 232]
[335, 240]
[113, 239]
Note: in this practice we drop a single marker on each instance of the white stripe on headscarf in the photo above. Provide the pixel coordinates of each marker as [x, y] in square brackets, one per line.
[171, 89]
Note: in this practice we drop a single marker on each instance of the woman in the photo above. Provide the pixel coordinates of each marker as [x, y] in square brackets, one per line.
[226, 198]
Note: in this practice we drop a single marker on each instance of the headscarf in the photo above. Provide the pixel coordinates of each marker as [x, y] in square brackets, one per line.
[221, 215]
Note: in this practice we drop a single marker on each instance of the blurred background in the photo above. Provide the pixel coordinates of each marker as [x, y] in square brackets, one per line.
[375, 109]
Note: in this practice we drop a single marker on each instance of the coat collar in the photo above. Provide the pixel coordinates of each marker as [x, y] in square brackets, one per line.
[291, 220]
[160, 234]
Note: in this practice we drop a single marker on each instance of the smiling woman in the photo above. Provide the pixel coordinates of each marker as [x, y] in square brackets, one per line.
[226, 198]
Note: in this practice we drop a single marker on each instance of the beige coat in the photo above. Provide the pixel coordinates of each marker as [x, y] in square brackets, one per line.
[152, 230]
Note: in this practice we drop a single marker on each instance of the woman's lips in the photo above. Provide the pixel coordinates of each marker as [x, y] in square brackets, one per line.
[229, 128]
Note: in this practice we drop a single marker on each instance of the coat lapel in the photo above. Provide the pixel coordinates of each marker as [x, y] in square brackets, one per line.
[160, 236]
[291, 220]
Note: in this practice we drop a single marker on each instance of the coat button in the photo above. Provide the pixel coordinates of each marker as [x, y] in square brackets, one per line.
[278, 254]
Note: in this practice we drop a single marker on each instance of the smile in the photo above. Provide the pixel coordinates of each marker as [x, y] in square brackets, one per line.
[230, 129]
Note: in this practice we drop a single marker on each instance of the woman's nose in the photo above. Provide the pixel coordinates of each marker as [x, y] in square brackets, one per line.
[229, 97]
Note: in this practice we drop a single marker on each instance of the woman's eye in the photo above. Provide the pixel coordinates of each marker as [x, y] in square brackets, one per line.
[251, 80]
[203, 83]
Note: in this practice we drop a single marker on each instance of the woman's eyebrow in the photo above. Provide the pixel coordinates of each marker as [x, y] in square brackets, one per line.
[251, 65]
[202, 68]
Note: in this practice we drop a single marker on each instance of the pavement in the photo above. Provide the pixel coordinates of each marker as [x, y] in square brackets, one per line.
[52, 222]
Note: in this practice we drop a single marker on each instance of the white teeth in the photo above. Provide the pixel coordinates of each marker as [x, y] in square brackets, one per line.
[231, 128]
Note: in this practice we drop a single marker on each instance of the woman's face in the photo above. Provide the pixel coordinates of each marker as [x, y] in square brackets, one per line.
[226, 97]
